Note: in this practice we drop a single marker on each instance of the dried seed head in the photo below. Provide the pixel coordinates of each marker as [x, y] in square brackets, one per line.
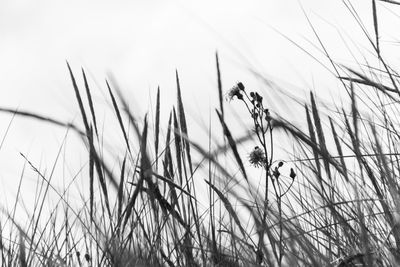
[280, 164]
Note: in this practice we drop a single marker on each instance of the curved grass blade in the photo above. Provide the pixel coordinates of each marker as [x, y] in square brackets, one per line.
[50, 120]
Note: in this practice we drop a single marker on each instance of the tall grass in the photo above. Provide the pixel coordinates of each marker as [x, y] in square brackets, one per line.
[334, 201]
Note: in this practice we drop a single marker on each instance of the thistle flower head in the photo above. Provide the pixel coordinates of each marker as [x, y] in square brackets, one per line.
[257, 157]
[235, 91]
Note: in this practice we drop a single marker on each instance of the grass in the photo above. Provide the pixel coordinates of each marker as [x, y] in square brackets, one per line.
[334, 201]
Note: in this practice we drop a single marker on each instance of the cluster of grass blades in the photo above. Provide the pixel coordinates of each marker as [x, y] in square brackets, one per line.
[334, 201]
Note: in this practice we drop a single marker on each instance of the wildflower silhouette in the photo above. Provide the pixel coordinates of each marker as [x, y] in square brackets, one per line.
[262, 157]
[257, 157]
[236, 91]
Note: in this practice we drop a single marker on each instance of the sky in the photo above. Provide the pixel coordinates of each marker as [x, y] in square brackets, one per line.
[142, 43]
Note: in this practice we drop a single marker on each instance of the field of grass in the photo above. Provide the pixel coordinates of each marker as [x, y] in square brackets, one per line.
[334, 200]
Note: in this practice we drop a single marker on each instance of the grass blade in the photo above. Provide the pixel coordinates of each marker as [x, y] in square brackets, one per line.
[220, 95]
[178, 148]
[89, 97]
[121, 124]
[38, 117]
[91, 173]
[79, 99]
[313, 139]
[339, 150]
[228, 207]
[232, 144]
[145, 170]
[320, 133]
[22, 254]
[182, 122]
[120, 194]
[376, 28]
[157, 126]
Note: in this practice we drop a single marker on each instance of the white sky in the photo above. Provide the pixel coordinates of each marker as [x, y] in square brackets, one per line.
[143, 42]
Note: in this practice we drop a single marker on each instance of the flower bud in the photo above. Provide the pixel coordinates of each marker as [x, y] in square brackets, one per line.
[241, 86]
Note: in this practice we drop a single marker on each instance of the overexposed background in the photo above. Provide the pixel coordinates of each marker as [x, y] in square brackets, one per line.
[142, 43]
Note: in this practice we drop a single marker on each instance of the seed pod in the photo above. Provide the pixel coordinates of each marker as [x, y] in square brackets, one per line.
[276, 173]
[292, 173]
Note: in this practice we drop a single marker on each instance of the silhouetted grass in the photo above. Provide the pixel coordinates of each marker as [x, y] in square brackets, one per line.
[339, 205]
